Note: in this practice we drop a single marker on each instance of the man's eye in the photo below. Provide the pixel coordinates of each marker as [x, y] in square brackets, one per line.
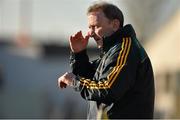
[96, 26]
[91, 27]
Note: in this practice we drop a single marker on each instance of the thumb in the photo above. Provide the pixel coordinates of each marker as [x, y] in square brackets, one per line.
[87, 37]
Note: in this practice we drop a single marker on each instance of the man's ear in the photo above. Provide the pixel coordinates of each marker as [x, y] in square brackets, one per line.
[116, 24]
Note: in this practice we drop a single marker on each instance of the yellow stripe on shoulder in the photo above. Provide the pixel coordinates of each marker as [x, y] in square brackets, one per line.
[121, 61]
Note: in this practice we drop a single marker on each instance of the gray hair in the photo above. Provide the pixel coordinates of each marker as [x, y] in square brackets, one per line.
[111, 11]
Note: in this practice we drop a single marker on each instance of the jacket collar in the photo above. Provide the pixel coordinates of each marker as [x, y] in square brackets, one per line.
[110, 41]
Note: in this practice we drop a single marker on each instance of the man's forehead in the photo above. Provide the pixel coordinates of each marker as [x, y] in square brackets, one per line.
[97, 14]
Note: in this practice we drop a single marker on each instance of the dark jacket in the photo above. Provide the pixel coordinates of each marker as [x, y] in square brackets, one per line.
[120, 81]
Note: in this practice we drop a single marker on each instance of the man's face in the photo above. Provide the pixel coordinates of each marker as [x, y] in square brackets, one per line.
[99, 26]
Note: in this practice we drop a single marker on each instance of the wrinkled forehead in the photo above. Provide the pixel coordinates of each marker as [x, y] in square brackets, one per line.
[96, 16]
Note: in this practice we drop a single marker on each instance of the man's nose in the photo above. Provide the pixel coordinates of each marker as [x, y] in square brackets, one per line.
[91, 32]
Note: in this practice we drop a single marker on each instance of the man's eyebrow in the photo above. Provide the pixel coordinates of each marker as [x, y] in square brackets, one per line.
[91, 26]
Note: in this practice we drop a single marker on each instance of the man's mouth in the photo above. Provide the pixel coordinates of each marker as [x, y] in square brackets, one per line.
[97, 40]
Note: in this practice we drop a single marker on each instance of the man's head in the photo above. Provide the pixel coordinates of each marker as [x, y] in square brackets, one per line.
[103, 19]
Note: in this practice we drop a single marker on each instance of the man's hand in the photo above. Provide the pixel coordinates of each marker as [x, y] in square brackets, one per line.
[66, 80]
[78, 42]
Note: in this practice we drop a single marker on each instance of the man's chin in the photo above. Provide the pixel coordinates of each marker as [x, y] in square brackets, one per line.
[99, 44]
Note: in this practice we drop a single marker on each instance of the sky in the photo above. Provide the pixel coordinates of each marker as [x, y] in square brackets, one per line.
[58, 19]
[49, 18]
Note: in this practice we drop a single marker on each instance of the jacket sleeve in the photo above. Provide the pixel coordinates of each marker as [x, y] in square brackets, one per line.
[117, 76]
[81, 66]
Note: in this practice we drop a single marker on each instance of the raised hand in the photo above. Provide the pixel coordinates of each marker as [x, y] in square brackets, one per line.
[78, 42]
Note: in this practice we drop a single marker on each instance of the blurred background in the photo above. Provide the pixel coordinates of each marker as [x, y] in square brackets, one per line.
[34, 52]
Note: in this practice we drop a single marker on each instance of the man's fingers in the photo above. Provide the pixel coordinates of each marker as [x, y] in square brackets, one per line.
[66, 80]
[79, 36]
[87, 37]
[72, 38]
[79, 33]
[62, 85]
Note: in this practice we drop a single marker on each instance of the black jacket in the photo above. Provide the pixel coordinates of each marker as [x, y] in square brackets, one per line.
[120, 81]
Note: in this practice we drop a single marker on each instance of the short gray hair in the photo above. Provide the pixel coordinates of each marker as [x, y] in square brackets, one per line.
[111, 11]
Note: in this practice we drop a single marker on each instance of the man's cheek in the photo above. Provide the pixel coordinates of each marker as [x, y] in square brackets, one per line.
[99, 33]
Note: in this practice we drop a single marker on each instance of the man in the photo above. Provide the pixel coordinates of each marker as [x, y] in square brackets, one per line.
[120, 82]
